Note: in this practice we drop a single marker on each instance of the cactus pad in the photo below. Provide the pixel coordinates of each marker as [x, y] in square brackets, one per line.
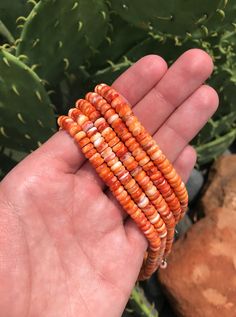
[26, 117]
[10, 11]
[207, 151]
[59, 35]
[116, 43]
[174, 16]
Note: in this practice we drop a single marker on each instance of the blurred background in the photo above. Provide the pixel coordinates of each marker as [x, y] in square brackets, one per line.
[53, 51]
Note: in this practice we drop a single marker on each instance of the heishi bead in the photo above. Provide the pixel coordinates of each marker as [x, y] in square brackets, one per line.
[131, 143]
[128, 183]
[104, 92]
[152, 150]
[139, 155]
[132, 165]
[97, 161]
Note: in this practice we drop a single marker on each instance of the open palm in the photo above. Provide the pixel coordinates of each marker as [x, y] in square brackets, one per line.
[66, 247]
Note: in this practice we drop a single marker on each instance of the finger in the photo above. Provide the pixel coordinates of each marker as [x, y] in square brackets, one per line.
[179, 82]
[185, 162]
[186, 121]
[140, 78]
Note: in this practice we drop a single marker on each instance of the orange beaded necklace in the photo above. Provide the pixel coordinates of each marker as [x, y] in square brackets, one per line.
[132, 165]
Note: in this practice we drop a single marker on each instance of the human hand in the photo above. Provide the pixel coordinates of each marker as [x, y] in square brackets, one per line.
[66, 247]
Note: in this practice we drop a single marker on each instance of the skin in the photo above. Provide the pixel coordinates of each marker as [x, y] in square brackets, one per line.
[66, 247]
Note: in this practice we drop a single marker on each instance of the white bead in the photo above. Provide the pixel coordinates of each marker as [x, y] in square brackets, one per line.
[92, 129]
[98, 141]
[155, 155]
[144, 161]
[163, 235]
[143, 202]
[112, 118]
[96, 136]
[147, 231]
[156, 219]
[124, 176]
[105, 153]
[116, 165]
[106, 131]
[110, 157]
[151, 191]
[99, 121]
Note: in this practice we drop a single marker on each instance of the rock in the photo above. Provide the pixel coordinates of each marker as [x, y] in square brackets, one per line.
[194, 184]
[221, 188]
[200, 280]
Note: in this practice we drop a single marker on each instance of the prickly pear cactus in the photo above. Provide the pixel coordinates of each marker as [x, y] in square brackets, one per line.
[150, 44]
[139, 304]
[58, 36]
[208, 151]
[9, 158]
[176, 17]
[120, 38]
[10, 11]
[7, 163]
[26, 116]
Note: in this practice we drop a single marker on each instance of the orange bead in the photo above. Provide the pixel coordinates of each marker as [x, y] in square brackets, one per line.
[133, 166]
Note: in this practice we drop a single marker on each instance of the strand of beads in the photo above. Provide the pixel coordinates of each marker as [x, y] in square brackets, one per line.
[135, 127]
[147, 200]
[158, 167]
[132, 165]
[140, 171]
[86, 135]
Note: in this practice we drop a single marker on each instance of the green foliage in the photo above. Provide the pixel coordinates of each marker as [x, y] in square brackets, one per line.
[65, 38]
[10, 11]
[55, 38]
[26, 117]
[175, 17]
[7, 163]
[138, 305]
[120, 38]
[9, 158]
[214, 148]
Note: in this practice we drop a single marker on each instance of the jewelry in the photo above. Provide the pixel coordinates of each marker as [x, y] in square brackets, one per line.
[133, 166]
